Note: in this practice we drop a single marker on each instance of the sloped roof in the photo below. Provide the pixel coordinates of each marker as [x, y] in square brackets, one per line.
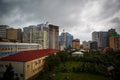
[29, 55]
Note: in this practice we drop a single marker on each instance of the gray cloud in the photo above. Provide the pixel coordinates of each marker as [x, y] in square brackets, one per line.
[78, 17]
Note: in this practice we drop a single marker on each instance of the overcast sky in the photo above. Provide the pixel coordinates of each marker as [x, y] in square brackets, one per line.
[78, 17]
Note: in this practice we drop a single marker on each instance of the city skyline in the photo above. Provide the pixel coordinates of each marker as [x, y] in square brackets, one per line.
[80, 17]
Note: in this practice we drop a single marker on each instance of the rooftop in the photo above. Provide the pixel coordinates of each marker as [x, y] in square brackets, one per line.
[29, 55]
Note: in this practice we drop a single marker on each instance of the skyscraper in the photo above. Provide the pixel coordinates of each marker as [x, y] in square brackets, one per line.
[36, 34]
[65, 39]
[30, 33]
[53, 36]
[45, 35]
[101, 38]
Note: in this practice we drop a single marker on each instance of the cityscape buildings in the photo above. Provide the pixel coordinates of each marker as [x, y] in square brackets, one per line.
[30, 48]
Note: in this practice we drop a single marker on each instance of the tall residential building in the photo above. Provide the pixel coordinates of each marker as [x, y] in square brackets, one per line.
[101, 38]
[114, 42]
[36, 34]
[53, 36]
[65, 39]
[45, 35]
[14, 34]
[29, 34]
[3, 30]
[111, 32]
[76, 44]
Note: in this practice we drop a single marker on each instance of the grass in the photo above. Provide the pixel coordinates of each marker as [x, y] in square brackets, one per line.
[79, 76]
[71, 75]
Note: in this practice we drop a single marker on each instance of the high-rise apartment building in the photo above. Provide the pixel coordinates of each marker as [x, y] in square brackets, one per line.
[14, 34]
[30, 33]
[45, 35]
[3, 30]
[65, 39]
[101, 38]
[36, 34]
[53, 36]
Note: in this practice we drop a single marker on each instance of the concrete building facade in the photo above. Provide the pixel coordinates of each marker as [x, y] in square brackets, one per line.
[76, 44]
[101, 38]
[3, 30]
[45, 35]
[36, 34]
[90, 45]
[53, 36]
[14, 34]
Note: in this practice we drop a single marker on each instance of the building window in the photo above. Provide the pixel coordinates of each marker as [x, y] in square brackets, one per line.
[28, 66]
[21, 75]
[39, 61]
[36, 63]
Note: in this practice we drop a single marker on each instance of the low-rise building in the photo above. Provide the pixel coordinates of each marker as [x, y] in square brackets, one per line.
[77, 53]
[25, 64]
[90, 45]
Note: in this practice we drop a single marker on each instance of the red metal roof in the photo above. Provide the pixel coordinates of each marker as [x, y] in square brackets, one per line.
[29, 55]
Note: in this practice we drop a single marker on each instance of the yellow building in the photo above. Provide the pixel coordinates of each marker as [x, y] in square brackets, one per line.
[14, 34]
[114, 42]
[26, 64]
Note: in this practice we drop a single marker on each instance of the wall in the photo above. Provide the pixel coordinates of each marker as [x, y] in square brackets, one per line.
[18, 68]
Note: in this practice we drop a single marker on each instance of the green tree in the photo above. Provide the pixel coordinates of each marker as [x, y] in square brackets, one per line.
[63, 55]
[9, 73]
[51, 62]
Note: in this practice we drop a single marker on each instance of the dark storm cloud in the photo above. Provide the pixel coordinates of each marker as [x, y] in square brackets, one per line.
[79, 17]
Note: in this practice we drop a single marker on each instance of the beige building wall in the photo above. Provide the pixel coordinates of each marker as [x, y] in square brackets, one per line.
[14, 34]
[18, 68]
[76, 45]
[23, 70]
[33, 67]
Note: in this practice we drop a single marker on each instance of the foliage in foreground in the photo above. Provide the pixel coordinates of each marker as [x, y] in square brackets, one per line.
[91, 63]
